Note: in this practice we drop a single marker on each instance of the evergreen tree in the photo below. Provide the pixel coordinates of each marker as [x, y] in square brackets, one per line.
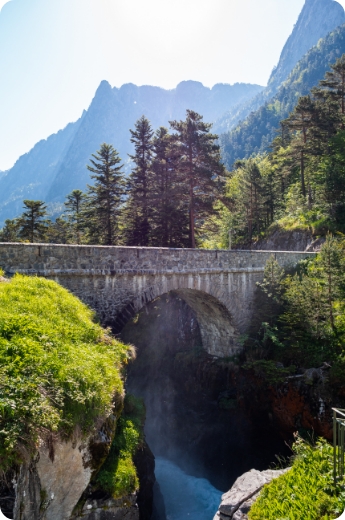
[331, 171]
[33, 226]
[334, 84]
[200, 166]
[74, 209]
[59, 232]
[169, 221]
[138, 210]
[104, 198]
[301, 120]
[9, 233]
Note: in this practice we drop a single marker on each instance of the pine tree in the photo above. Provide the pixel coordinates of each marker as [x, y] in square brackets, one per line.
[330, 269]
[332, 176]
[138, 210]
[33, 226]
[104, 198]
[169, 221]
[9, 233]
[253, 199]
[74, 209]
[334, 84]
[301, 120]
[59, 232]
[200, 166]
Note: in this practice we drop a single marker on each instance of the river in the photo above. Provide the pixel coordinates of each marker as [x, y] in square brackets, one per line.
[185, 497]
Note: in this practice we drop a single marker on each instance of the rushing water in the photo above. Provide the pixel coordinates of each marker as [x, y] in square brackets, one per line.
[185, 497]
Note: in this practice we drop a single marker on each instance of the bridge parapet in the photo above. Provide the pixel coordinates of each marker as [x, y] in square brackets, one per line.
[108, 260]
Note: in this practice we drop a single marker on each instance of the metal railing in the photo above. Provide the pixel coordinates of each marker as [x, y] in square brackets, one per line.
[338, 443]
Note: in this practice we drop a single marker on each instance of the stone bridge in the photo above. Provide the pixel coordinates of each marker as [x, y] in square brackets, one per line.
[118, 282]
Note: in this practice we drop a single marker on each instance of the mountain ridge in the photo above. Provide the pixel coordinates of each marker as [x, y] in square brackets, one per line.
[317, 19]
[255, 134]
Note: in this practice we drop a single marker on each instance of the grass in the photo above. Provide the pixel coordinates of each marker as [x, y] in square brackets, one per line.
[58, 368]
[118, 476]
[306, 492]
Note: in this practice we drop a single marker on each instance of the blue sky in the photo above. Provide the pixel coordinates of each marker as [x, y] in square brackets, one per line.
[54, 53]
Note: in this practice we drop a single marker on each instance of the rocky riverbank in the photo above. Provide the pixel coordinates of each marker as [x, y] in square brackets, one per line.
[237, 502]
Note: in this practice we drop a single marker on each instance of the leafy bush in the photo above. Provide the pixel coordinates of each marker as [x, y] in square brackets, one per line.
[118, 475]
[306, 492]
[58, 368]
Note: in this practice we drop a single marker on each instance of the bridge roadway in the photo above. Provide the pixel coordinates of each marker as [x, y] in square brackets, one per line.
[117, 282]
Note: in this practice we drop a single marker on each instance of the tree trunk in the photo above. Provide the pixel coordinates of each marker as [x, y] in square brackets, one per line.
[302, 174]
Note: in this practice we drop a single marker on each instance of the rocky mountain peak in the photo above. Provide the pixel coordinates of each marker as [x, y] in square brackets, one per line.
[317, 19]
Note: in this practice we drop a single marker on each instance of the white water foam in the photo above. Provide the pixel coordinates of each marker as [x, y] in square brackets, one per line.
[186, 497]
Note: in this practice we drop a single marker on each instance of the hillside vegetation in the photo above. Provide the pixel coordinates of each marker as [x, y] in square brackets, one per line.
[60, 370]
[306, 491]
[300, 184]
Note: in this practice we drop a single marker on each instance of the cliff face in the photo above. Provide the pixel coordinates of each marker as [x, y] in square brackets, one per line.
[318, 18]
[56, 483]
[49, 486]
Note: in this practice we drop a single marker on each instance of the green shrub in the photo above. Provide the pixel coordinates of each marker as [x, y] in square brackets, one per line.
[118, 476]
[269, 370]
[58, 368]
[306, 492]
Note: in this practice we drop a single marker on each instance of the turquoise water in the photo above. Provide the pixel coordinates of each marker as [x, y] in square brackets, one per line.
[186, 497]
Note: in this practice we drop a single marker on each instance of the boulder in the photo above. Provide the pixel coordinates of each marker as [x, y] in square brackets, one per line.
[237, 502]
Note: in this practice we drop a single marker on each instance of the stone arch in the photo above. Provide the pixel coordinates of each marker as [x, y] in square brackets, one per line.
[219, 333]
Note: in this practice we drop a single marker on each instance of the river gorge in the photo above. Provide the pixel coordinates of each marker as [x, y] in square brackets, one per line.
[198, 424]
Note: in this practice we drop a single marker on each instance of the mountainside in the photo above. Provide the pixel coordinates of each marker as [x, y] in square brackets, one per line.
[257, 132]
[58, 165]
[33, 173]
[316, 20]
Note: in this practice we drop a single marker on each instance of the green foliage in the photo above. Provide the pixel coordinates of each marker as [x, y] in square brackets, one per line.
[300, 317]
[314, 314]
[74, 205]
[33, 226]
[118, 476]
[300, 184]
[168, 219]
[103, 200]
[269, 370]
[306, 491]
[59, 369]
[200, 167]
[139, 209]
[273, 276]
[59, 232]
[9, 233]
